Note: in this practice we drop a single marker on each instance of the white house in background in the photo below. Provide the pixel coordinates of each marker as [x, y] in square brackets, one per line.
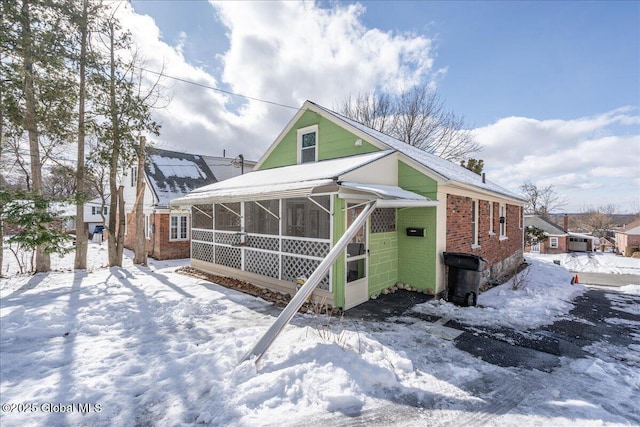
[92, 214]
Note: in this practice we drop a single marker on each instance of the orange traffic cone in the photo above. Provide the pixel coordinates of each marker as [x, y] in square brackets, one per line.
[576, 281]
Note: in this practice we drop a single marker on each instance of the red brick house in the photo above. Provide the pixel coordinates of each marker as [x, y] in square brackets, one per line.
[559, 239]
[628, 239]
[167, 175]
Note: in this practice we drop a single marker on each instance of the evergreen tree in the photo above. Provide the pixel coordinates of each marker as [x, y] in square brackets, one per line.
[37, 93]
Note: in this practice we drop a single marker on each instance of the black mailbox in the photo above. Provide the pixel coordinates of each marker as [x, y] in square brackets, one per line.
[415, 232]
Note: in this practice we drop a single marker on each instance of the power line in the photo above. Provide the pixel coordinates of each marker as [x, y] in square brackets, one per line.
[218, 89]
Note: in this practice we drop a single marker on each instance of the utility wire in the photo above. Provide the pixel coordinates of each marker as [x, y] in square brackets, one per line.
[218, 89]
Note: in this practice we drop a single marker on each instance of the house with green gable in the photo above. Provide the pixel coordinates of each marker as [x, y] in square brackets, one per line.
[276, 224]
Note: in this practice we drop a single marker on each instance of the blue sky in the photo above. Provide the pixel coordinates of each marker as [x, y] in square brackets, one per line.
[548, 60]
[552, 89]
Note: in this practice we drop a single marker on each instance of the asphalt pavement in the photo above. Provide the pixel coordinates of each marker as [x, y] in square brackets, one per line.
[606, 279]
[600, 316]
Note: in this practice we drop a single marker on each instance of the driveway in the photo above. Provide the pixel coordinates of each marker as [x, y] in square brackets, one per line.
[594, 319]
[606, 279]
[531, 367]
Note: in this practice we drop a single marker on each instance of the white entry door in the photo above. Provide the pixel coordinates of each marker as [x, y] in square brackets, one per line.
[356, 261]
[535, 246]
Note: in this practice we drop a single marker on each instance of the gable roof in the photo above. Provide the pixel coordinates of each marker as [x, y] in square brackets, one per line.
[631, 228]
[171, 174]
[445, 169]
[546, 226]
[295, 180]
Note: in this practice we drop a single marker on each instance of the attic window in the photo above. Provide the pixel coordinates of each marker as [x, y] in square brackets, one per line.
[308, 144]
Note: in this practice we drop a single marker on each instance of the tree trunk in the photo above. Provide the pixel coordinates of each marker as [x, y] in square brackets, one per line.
[140, 249]
[121, 225]
[42, 261]
[1, 240]
[82, 237]
[113, 233]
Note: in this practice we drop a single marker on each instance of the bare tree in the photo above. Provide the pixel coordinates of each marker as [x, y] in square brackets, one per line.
[370, 109]
[598, 221]
[541, 201]
[418, 117]
[61, 182]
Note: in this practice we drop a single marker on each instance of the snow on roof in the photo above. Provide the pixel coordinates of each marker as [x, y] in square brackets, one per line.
[172, 174]
[581, 236]
[384, 191]
[440, 166]
[294, 177]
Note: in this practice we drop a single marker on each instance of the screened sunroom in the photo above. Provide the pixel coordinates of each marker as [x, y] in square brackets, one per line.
[272, 227]
[283, 239]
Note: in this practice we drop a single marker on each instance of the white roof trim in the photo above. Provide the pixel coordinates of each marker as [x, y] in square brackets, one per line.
[388, 196]
[286, 181]
[262, 192]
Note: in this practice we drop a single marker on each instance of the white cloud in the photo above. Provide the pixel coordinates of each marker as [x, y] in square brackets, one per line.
[284, 52]
[291, 51]
[592, 159]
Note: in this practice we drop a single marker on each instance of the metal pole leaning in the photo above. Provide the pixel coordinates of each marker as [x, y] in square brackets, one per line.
[305, 291]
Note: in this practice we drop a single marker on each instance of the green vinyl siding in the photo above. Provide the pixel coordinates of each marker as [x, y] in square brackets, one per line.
[333, 142]
[417, 255]
[414, 180]
[383, 261]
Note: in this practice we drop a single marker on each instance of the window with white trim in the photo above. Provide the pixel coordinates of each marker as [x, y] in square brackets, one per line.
[308, 144]
[474, 222]
[178, 227]
[95, 210]
[147, 227]
[553, 242]
[503, 220]
[134, 176]
[491, 232]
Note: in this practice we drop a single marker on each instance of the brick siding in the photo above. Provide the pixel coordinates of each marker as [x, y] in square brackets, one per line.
[497, 251]
[158, 245]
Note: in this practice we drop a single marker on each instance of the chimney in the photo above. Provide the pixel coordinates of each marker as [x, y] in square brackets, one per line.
[565, 223]
[484, 180]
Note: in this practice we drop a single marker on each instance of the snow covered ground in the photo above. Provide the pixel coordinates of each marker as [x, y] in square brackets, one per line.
[148, 346]
[593, 262]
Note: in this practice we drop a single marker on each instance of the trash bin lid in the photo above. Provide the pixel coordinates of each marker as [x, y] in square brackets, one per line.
[464, 261]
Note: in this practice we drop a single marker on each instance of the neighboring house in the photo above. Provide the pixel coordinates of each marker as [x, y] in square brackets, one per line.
[559, 239]
[170, 174]
[628, 239]
[92, 216]
[277, 223]
[604, 244]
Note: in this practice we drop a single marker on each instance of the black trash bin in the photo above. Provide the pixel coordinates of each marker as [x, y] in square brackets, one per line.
[465, 272]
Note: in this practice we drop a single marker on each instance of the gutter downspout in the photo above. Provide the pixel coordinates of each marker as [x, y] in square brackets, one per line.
[307, 289]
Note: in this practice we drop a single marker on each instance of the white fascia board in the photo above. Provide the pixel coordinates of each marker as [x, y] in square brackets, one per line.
[461, 189]
[403, 203]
